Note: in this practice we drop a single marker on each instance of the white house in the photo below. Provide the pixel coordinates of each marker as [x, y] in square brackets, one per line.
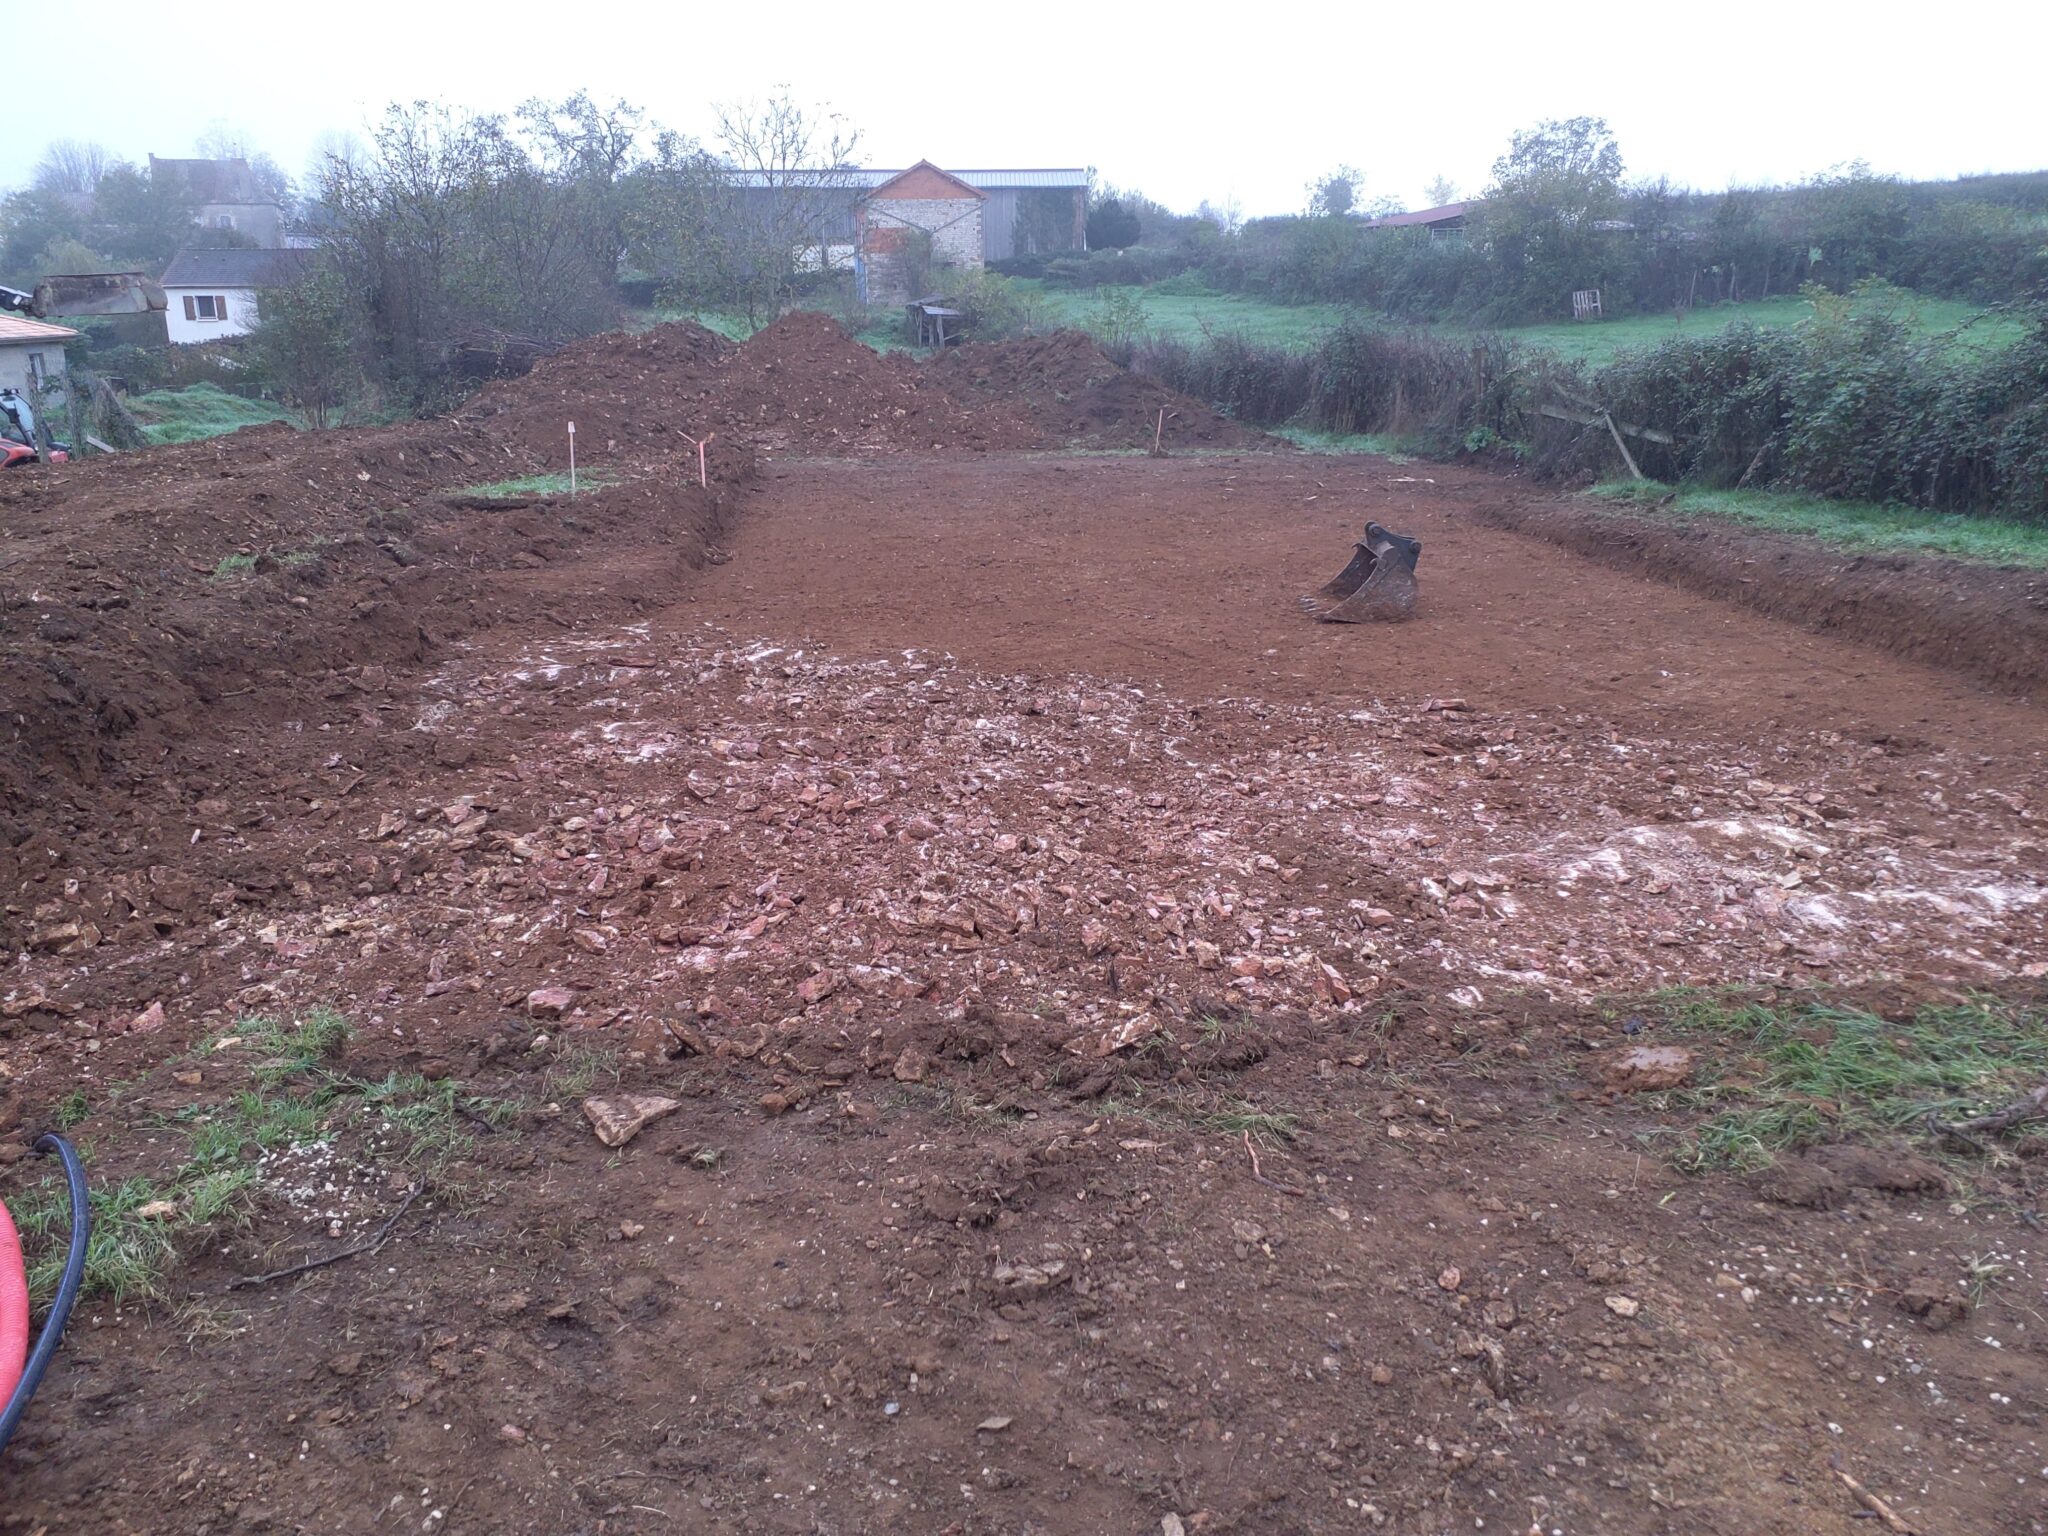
[214, 294]
[32, 354]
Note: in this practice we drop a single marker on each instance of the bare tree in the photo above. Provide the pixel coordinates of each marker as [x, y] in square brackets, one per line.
[792, 176]
[73, 165]
[343, 144]
[224, 141]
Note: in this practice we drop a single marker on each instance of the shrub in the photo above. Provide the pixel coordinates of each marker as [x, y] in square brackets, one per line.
[1856, 404]
[996, 308]
[1095, 269]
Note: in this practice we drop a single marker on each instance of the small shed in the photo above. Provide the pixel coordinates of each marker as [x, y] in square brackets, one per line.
[895, 221]
[32, 354]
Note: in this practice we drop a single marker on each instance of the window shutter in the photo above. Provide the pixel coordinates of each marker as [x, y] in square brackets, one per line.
[191, 309]
[220, 306]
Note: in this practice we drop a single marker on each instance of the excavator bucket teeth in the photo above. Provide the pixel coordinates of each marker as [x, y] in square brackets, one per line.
[1378, 585]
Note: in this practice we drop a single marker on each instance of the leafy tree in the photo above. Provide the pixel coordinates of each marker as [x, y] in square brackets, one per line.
[1224, 218]
[1113, 225]
[31, 223]
[1440, 193]
[1335, 195]
[678, 224]
[1555, 183]
[1859, 218]
[591, 151]
[142, 220]
[461, 241]
[300, 346]
[1567, 170]
[1738, 246]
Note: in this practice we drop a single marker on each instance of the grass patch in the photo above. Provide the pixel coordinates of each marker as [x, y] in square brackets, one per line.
[1844, 524]
[201, 411]
[730, 324]
[298, 1093]
[1239, 1116]
[579, 1068]
[1387, 445]
[286, 1050]
[232, 566]
[1818, 1073]
[1229, 1117]
[137, 1227]
[540, 485]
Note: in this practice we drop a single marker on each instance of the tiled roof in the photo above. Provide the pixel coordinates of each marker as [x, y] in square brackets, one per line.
[234, 269]
[16, 328]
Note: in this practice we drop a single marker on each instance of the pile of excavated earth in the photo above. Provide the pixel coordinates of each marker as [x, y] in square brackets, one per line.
[140, 589]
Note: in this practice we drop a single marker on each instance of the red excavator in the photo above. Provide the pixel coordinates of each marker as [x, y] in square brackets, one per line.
[22, 440]
[23, 437]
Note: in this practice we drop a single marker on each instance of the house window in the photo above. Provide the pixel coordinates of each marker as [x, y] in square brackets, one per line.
[38, 375]
[206, 306]
[223, 221]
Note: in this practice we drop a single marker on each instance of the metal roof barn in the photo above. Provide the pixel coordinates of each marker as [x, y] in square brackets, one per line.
[1029, 210]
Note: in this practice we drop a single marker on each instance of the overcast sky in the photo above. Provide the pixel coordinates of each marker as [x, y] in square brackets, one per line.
[1186, 102]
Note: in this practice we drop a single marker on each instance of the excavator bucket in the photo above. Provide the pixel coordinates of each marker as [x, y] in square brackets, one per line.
[1378, 584]
[99, 293]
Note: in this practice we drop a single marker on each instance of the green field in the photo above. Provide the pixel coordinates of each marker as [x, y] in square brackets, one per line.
[1181, 316]
[1598, 341]
[201, 410]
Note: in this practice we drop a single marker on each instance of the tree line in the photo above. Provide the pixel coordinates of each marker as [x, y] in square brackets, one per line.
[451, 243]
[1559, 215]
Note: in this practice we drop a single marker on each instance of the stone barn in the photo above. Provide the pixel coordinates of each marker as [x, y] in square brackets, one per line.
[916, 220]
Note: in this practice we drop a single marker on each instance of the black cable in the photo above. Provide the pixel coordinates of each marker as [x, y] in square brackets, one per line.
[67, 1288]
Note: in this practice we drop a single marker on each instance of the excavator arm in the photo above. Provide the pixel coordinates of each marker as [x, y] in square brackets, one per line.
[88, 293]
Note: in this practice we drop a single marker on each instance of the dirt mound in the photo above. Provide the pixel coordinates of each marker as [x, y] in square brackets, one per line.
[626, 393]
[804, 386]
[1069, 391]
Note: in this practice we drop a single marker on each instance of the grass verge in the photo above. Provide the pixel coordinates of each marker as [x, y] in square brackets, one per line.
[200, 411]
[1845, 524]
[1817, 1072]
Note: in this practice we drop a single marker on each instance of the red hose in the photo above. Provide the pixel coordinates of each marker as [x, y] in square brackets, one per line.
[13, 1307]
